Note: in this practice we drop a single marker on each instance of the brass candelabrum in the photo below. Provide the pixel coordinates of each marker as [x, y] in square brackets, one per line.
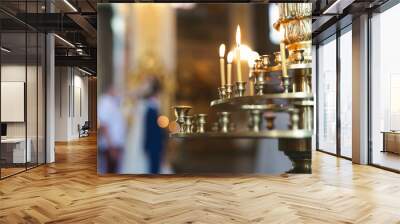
[295, 24]
[282, 85]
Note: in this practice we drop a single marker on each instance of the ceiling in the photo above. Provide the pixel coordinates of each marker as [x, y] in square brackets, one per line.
[76, 22]
[332, 15]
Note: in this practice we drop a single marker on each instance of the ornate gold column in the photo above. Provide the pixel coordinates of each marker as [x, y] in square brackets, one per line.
[151, 44]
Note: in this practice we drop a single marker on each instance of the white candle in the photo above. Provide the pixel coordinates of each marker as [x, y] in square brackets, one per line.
[283, 60]
[283, 55]
[229, 69]
[238, 64]
[251, 63]
[222, 63]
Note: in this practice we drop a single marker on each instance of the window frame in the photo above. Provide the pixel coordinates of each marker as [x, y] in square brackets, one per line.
[334, 37]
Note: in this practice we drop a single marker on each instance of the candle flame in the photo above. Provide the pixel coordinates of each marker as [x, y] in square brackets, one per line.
[221, 50]
[230, 57]
[245, 52]
[238, 35]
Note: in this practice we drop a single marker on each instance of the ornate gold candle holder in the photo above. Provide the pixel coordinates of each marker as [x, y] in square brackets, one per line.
[296, 25]
[277, 58]
[240, 89]
[228, 91]
[223, 121]
[295, 20]
[180, 113]
[264, 61]
[261, 65]
[259, 82]
[285, 80]
[201, 122]
[297, 56]
[300, 52]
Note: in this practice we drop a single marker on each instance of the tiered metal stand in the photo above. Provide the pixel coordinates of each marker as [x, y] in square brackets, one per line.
[277, 89]
[295, 105]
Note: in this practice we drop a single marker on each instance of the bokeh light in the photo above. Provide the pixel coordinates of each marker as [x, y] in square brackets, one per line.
[163, 121]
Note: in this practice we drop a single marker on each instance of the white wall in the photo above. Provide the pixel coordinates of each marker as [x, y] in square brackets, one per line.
[62, 81]
[16, 73]
[71, 94]
[12, 73]
[33, 126]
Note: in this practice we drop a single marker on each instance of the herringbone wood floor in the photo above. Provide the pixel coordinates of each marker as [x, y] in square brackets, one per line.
[70, 191]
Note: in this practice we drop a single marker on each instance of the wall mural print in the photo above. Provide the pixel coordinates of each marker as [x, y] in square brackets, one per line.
[204, 88]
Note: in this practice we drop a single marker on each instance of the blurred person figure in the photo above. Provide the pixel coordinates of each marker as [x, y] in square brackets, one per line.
[112, 131]
[135, 159]
[154, 135]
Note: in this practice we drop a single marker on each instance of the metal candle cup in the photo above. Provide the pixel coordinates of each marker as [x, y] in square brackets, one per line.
[228, 90]
[201, 122]
[240, 88]
[277, 58]
[259, 82]
[265, 61]
[223, 121]
[180, 113]
[188, 126]
[222, 92]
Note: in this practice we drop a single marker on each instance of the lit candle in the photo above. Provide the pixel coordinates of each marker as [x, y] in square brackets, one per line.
[229, 69]
[283, 55]
[222, 63]
[239, 69]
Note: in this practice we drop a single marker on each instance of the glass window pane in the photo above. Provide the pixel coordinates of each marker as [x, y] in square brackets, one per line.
[385, 84]
[327, 97]
[31, 97]
[23, 90]
[13, 86]
[346, 94]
